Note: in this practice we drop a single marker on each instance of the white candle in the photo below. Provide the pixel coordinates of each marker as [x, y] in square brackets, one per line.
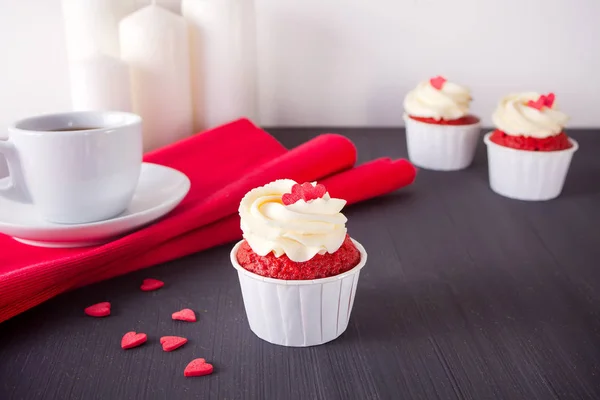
[100, 83]
[223, 60]
[92, 26]
[154, 42]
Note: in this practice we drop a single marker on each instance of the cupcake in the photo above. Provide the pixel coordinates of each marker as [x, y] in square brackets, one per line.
[440, 132]
[529, 153]
[297, 266]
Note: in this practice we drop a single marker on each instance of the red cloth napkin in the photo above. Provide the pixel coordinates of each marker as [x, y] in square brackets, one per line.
[222, 164]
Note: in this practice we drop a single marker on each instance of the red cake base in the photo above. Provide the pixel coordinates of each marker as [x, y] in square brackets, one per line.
[320, 266]
[552, 143]
[466, 120]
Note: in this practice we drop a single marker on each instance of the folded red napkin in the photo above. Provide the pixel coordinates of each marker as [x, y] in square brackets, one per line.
[222, 164]
[353, 185]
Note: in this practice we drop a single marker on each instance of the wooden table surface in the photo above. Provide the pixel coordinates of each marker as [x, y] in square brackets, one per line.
[466, 295]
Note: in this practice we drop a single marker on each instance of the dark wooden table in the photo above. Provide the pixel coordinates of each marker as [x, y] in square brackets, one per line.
[466, 295]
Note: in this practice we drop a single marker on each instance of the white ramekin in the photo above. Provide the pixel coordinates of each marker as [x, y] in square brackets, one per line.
[441, 147]
[527, 175]
[298, 313]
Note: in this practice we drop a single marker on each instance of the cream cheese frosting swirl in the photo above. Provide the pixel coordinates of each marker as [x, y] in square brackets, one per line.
[450, 102]
[514, 117]
[300, 230]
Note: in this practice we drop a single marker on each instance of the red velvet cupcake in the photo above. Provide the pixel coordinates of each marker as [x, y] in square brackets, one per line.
[522, 142]
[440, 132]
[296, 234]
[466, 120]
[529, 154]
[297, 266]
[320, 266]
[530, 121]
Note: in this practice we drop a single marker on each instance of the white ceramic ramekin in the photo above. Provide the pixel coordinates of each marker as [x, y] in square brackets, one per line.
[298, 313]
[527, 175]
[441, 147]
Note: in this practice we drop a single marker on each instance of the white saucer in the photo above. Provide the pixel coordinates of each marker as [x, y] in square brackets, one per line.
[159, 191]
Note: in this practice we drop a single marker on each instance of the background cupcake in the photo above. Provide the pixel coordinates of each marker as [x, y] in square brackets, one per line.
[529, 153]
[440, 132]
[298, 268]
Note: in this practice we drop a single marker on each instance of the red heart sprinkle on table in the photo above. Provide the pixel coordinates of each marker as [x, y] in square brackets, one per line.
[198, 367]
[184, 315]
[98, 310]
[133, 339]
[170, 343]
[438, 82]
[306, 192]
[150, 284]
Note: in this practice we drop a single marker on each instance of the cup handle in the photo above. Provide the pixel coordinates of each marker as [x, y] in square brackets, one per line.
[13, 186]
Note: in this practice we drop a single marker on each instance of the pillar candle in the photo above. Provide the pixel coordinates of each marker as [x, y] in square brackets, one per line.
[92, 26]
[100, 83]
[99, 80]
[223, 60]
[154, 43]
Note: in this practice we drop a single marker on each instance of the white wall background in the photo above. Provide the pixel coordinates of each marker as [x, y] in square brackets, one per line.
[350, 62]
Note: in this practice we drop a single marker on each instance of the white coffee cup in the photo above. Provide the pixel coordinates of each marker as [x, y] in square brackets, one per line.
[74, 167]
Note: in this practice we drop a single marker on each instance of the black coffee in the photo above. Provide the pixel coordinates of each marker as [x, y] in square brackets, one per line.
[74, 128]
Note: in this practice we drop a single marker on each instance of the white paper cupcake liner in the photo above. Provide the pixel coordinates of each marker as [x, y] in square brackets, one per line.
[441, 147]
[298, 313]
[527, 175]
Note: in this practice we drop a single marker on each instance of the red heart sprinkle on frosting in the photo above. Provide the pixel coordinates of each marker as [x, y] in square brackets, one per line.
[184, 315]
[550, 97]
[438, 82]
[306, 192]
[133, 339]
[170, 343]
[542, 101]
[198, 367]
[98, 310]
[151, 284]
[538, 104]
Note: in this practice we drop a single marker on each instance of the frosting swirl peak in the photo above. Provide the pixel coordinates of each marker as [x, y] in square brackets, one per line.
[516, 116]
[450, 101]
[299, 230]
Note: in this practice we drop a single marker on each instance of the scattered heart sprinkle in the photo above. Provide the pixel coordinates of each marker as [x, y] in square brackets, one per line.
[184, 315]
[133, 339]
[198, 367]
[438, 82]
[150, 284]
[98, 310]
[170, 343]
